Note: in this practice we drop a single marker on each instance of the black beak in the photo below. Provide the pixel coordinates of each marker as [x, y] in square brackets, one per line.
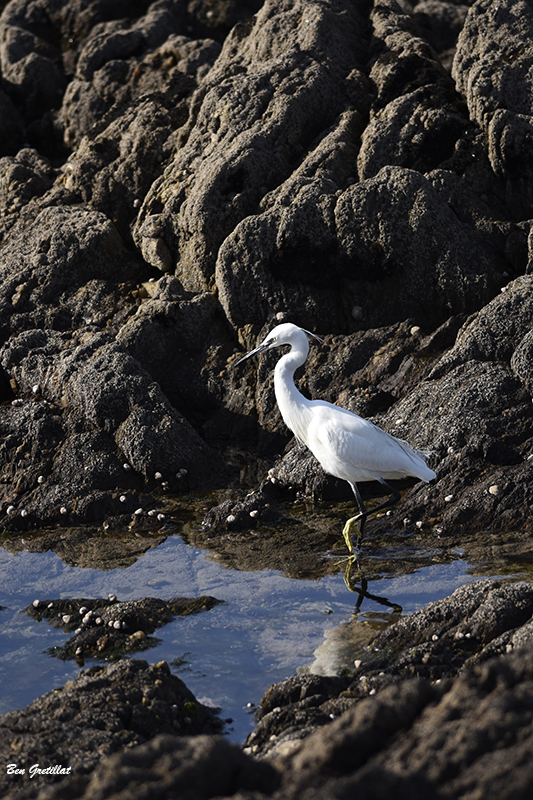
[254, 352]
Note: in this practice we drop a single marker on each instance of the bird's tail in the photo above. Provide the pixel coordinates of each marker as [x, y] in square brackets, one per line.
[425, 473]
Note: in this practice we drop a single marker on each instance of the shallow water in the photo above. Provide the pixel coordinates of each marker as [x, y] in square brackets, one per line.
[269, 627]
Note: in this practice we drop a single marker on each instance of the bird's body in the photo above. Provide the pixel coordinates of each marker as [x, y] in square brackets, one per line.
[351, 448]
[346, 445]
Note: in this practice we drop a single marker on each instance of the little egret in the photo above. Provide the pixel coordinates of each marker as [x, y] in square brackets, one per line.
[347, 446]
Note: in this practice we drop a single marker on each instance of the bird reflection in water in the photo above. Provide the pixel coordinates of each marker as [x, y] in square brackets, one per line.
[352, 572]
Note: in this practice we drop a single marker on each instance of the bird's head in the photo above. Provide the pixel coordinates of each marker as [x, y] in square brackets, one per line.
[287, 333]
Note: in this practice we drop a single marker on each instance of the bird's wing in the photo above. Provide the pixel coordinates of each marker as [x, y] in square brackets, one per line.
[355, 449]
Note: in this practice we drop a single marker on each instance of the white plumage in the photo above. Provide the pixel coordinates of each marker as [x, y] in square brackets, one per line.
[346, 445]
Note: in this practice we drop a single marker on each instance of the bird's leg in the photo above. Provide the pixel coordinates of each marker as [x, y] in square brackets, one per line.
[395, 496]
[364, 512]
[363, 592]
[361, 518]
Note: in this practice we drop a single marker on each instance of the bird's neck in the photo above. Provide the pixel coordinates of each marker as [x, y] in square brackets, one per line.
[293, 405]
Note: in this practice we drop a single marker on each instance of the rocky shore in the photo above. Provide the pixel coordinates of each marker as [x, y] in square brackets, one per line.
[177, 177]
[439, 706]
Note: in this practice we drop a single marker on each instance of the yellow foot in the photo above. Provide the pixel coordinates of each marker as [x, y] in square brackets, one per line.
[347, 533]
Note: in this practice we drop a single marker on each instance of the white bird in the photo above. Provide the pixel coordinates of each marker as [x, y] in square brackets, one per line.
[346, 445]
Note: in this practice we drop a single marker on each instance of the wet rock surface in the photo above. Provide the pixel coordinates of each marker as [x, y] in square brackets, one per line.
[479, 621]
[175, 179]
[86, 546]
[438, 704]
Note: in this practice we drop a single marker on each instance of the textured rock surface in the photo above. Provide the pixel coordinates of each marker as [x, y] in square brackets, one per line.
[104, 710]
[126, 420]
[389, 727]
[352, 167]
[492, 70]
[479, 621]
[106, 629]
[178, 176]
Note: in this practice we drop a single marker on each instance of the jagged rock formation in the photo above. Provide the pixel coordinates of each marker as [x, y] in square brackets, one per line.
[361, 169]
[440, 707]
[178, 176]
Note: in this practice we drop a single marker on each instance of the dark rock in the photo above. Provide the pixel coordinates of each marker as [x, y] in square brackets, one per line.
[287, 256]
[477, 622]
[430, 262]
[217, 19]
[257, 111]
[496, 332]
[178, 340]
[413, 737]
[103, 711]
[108, 629]
[440, 23]
[30, 59]
[168, 64]
[49, 258]
[40, 46]
[315, 163]
[95, 410]
[11, 126]
[131, 134]
[324, 249]
[469, 622]
[24, 176]
[257, 507]
[192, 768]
[420, 740]
[384, 141]
[491, 70]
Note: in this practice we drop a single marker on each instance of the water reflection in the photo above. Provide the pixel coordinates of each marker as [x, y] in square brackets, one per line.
[274, 621]
[357, 582]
